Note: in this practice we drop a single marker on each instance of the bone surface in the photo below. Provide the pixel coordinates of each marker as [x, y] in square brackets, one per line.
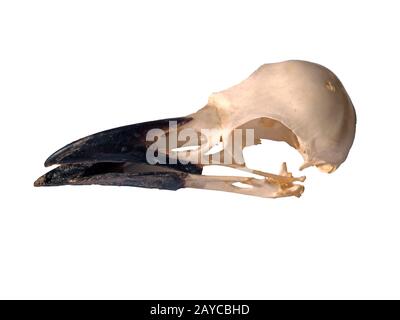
[301, 103]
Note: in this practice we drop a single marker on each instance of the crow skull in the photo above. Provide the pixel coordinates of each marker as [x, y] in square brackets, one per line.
[301, 103]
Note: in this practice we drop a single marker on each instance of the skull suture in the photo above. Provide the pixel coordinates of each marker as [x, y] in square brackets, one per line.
[299, 102]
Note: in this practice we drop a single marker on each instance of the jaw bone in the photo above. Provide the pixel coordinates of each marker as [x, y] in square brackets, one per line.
[301, 103]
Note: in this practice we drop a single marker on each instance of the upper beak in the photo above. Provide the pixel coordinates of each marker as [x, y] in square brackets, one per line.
[116, 157]
[123, 144]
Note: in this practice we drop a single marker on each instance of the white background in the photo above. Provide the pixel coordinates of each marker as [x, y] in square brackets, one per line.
[72, 68]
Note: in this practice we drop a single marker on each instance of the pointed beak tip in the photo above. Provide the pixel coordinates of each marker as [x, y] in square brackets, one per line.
[40, 182]
[48, 163]
[51, 161]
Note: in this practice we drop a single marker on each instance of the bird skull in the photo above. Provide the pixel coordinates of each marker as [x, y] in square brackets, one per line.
[301, 103]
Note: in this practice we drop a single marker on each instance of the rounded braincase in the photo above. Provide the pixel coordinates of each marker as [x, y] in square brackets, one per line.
[305, 97]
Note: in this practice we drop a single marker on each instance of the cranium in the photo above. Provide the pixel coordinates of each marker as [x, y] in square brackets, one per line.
[301, 103]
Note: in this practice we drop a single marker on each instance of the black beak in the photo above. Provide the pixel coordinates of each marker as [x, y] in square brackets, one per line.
[114, 174]
[116, 157]
[123, 144]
